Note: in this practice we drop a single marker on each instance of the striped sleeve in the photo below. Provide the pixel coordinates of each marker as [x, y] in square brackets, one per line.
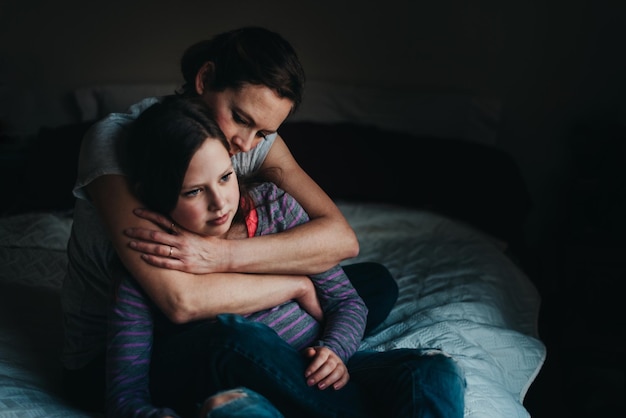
[345, 313]
[129, 348]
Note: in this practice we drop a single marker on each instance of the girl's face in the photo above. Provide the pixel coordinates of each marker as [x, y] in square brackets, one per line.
[247, 115]
[209, 197]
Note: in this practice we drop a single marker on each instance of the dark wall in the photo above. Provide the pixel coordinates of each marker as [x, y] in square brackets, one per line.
[557, 65]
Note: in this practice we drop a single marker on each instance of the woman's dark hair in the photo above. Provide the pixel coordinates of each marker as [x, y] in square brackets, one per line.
[161, 144]
[249, 55]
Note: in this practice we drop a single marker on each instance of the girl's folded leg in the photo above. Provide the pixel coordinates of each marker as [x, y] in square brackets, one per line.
[377, 287]
[410, 383]
[238, 403]
[232, 352]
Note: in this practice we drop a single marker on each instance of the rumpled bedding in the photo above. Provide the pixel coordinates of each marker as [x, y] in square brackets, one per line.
[458, 292]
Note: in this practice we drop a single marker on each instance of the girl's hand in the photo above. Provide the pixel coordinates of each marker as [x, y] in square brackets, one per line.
[175, 248]
[326, 369]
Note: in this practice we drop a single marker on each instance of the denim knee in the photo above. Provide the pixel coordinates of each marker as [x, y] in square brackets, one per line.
[443, 362]
[410, 382]
[248, 404]
[442, 380]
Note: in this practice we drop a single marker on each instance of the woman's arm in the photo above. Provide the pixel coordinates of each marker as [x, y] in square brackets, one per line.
[183, 296]
[323, 242]
[316, 246]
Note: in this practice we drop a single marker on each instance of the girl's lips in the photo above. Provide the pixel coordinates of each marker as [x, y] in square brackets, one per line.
[219, 221]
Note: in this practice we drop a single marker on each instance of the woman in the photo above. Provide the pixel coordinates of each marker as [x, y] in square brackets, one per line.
[188, 175]
[252, 79]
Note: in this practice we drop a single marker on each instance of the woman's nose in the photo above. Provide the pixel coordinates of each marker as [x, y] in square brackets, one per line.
[244, 141]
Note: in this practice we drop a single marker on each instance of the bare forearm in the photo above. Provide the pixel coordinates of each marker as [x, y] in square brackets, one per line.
[306, 249]
[184, 296]
[205, 296]
[326, 240]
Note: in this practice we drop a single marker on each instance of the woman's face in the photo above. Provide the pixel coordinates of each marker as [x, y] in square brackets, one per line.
[209, 197]
[247, 115]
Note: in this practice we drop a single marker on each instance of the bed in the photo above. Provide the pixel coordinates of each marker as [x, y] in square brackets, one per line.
[446, 219]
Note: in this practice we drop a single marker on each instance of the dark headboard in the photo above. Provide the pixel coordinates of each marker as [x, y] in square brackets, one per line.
[476, 183]
[46, 170]
[472, 182]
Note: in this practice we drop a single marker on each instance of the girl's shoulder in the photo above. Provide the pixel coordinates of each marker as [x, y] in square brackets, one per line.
[277, 207]
[267, 192]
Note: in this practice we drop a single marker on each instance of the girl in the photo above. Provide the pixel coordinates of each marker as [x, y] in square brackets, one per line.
[193, 181]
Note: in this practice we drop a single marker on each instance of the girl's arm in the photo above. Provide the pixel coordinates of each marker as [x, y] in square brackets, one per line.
[183, 296]
[129, 349]
[345, 313]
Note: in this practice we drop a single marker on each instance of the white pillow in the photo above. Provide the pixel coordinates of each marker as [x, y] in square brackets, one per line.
[98, 101]
[455, 116]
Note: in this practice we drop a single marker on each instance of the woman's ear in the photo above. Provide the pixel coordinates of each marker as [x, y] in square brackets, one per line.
[204, 77]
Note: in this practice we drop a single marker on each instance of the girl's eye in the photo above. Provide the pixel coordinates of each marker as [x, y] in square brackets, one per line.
[226, 177]
[191, 193]
[261, 134]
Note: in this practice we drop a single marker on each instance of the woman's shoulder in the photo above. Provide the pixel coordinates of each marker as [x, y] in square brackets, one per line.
[248, 162]
[100, 147]
[112, 126]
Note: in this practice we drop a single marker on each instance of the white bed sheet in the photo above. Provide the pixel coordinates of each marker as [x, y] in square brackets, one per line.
[458, 292]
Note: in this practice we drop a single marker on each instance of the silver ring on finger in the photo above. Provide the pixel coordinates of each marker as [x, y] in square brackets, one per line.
[171, 250]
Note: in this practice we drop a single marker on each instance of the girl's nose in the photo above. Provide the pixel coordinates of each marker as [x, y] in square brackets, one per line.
[216, 201]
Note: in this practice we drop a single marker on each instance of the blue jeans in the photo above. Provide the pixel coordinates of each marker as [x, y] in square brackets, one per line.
[408, 382]
[249, 405]
[191, 362]
[378, 289]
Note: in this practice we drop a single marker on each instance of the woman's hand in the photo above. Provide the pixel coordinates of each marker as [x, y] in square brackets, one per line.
[175, 248]
[326, 369]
